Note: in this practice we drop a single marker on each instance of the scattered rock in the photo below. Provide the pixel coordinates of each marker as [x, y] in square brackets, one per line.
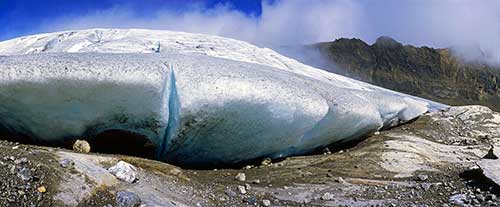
[340, 180]
[230, 193]
[327, 196]
[266, 162]
[422, 177]
[266, 202]
[250, 200]
[256, 181]
[240, 177]
[242, 189]
[41, 189]
[21, 161]
[81, 146]
[127, 199]
[491, 154]
[124, 171]
[67, 163]
[24, 174]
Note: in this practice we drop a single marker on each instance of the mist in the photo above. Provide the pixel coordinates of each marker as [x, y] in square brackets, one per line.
[471, 28]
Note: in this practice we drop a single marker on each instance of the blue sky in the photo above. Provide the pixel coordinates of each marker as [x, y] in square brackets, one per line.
[21, 17]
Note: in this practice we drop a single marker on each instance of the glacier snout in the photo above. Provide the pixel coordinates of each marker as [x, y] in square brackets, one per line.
[196, 109]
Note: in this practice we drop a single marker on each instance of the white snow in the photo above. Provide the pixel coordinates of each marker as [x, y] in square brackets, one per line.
[202, 100]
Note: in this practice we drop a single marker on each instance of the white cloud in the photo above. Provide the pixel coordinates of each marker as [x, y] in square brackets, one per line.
[463, 24]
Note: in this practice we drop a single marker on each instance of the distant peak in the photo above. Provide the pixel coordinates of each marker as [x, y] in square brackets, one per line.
[387, 41]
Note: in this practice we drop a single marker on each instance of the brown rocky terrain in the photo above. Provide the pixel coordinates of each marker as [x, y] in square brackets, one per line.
[432, 161]
[435, 74]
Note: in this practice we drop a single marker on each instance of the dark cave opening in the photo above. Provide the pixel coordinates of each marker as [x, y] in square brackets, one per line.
[122, 142]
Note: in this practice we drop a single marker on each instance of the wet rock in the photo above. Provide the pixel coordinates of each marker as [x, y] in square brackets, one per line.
[240, 177]
[124, 171]
[127, 199]
[81, 146]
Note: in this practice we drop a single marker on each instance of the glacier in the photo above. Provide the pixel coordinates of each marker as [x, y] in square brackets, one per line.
[201, 100]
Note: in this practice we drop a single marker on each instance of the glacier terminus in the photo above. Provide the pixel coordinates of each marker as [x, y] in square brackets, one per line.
[200, 99]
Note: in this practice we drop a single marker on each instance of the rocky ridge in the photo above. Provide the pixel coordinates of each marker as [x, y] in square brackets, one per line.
[435, 74]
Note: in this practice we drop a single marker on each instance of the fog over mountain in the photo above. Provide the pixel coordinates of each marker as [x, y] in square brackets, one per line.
[471, 27]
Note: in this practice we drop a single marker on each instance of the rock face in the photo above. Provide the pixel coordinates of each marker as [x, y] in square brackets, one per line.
[431, 161]
[435, 74]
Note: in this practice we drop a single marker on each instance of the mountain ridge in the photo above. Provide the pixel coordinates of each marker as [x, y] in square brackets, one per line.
[436, 74]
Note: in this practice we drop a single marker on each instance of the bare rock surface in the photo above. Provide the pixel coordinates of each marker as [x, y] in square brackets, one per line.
[436, 160]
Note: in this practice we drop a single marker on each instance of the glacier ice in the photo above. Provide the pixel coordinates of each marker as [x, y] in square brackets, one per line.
[229, 103]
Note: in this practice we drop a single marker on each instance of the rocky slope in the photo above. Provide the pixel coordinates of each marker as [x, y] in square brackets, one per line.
[429, 162]
[434, 74]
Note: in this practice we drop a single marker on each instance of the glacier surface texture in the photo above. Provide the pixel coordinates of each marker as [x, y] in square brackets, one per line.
[200, 99]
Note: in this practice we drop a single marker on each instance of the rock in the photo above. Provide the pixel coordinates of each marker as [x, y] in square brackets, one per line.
[266, 162]
[491, 154]
[81, 146]
[124, 171]
[24, 174]
[230, 193]
[250, 200]
[240, 177]
[256, 181]
[127, 199]
[422, 177]
[459, 199]
[67, 163]
[266, 202]
[491, 197]
[242, 189]
[41, 189]
[21, 160]
[340, 180]
[327, 196]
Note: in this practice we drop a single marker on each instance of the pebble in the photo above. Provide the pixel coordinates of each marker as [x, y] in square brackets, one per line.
[422, 177]
[230, 193]
[327, 196]
[24, 174]
[41, 189]
[242, 189]
[240, 177]
[23, 160]
[81, 146]
[127, 199]
[67, 163]
[266, 202]
[124, 171]
[266, 162]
